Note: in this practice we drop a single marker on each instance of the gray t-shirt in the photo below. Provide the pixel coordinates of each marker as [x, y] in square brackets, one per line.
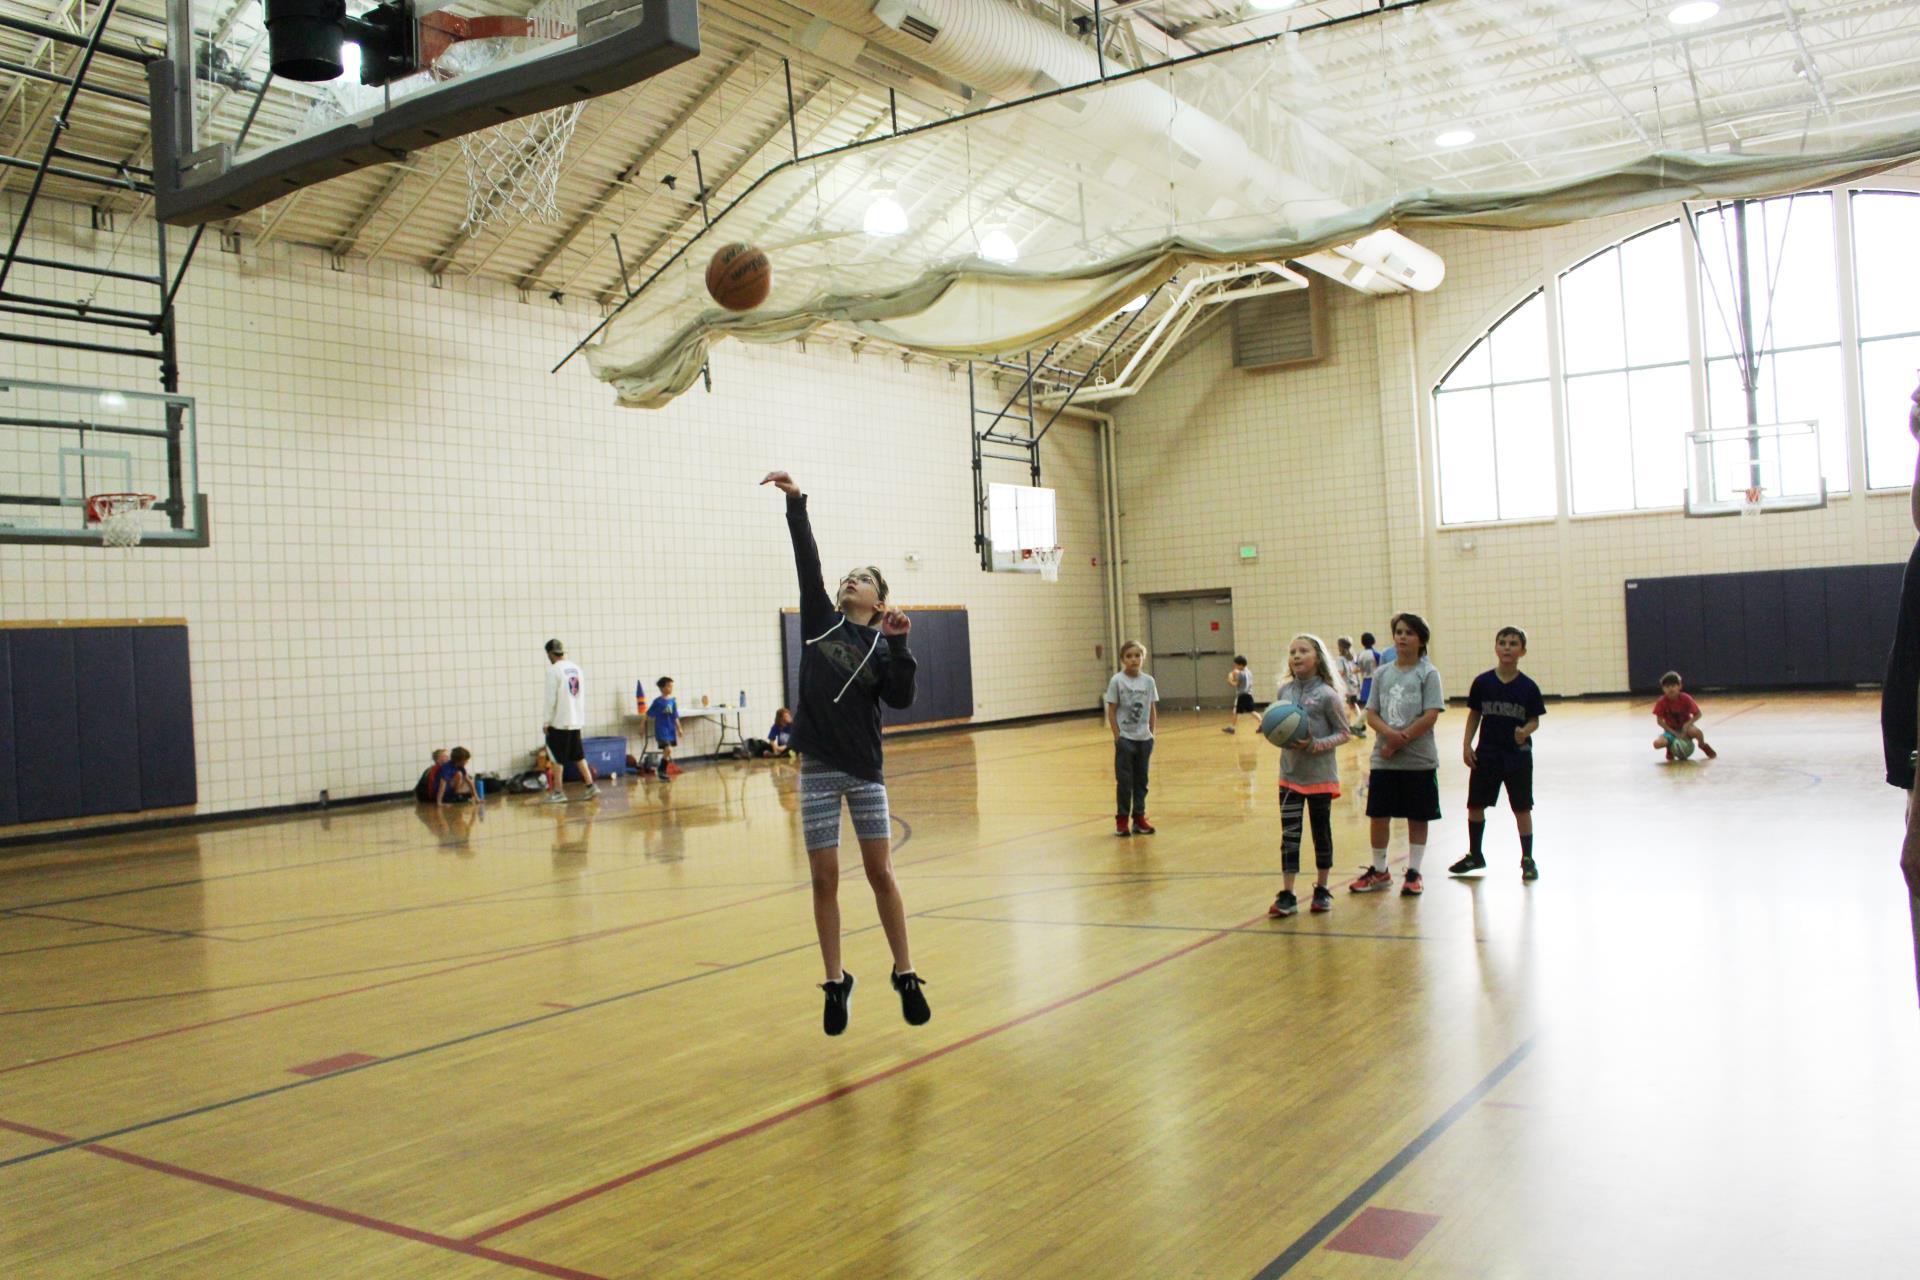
[1402, 695]
[1133, 697]
[1242, 680]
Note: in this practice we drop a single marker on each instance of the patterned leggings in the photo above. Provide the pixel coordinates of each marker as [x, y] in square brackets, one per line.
[1319, 809]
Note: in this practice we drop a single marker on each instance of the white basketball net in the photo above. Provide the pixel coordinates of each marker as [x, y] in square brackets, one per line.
[513, 169]
[1048, 558]
[119, 517]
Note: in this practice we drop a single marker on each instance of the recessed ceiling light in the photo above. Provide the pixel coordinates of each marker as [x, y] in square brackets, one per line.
[1685, 15]
[1453, 138]
[998, 246]
[1270, 6]
[884, 216]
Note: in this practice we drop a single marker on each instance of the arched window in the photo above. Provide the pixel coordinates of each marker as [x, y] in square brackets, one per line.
[1493, 419]
[1623, 338]
[1770, 288]
[1785, 308]
[1886, 273]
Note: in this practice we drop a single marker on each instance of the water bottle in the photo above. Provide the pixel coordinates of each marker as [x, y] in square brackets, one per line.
[742, 704]
[479, 787]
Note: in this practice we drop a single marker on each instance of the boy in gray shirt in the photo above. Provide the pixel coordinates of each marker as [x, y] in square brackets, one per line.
[1132, 714]
[1405, 703]
[1240, 680]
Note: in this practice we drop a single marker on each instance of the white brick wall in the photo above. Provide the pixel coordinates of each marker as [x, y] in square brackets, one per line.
[405, 505]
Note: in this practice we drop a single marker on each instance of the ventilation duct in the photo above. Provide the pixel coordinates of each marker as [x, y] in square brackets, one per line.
[1005, 53]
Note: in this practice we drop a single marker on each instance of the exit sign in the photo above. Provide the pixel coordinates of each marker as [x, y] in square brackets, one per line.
[1249, 552]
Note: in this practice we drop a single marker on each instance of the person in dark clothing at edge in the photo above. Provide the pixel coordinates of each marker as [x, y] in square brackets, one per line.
[1900, 701]
[854, 657]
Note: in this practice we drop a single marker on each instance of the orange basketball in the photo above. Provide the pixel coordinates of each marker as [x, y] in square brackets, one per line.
[739, 277]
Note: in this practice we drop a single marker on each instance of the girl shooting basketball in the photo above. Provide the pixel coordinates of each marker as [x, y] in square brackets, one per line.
[854, 658]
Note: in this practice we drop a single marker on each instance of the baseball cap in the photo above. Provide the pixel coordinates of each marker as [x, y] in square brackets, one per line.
[557, 649]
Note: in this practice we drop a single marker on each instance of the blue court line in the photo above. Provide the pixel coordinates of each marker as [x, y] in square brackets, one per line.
[1312, 1238]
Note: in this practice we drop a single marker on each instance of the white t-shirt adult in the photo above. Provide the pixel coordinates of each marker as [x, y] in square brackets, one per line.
[566, 704]
[1133, 698]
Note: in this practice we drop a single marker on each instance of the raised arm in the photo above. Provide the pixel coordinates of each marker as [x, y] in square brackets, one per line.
[816, 606]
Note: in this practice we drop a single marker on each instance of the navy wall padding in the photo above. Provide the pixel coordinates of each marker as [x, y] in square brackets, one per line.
[942, 646]
[109, 724]
[163, 688]
[1769, 628]
[9, 808]
[46, 727]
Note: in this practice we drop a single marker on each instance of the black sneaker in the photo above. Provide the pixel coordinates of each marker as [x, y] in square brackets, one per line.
[833, 1020]
[1472, 862]
[1527, 870]
[913, 1005]
[1322, 899]
[1284, 904]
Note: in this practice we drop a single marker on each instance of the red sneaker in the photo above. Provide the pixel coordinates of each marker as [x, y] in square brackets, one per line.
[1370, 880]
[1710, 752]
[1141, 827]
[671, 771]
[1412, 885]
[1120, 827]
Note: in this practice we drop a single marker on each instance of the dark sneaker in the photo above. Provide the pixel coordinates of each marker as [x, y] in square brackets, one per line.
[1528, 871]
[1322, 899]
[1412, 886]
[833, 1020]
[913, 1005]
[1370, 880]
[1472, 862]
[1141, 827]
[1120, 827]
[1284, 904]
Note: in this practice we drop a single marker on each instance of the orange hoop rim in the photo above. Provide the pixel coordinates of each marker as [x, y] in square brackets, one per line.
[102, 505]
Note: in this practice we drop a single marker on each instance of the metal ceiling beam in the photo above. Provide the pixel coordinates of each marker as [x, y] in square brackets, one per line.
[631, 170]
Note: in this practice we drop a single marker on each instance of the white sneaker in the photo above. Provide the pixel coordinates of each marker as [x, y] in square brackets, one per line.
[556, 797]
[593, 789]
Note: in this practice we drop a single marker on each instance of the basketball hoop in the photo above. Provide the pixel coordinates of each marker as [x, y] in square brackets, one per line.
[514, 168]
[1750, 501]
[118, 515]
[1048, 558]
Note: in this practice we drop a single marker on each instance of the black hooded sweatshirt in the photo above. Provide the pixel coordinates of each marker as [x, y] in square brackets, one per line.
[846, 670]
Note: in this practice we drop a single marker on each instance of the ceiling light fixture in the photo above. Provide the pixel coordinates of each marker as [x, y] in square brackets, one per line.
[1139, 301]
[998, 246]
[1270, 6]
[1453, 138]
[1693, 11]
[113, 402]
[884, 217]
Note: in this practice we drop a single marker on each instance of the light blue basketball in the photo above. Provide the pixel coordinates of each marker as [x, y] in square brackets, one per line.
[1284, 725]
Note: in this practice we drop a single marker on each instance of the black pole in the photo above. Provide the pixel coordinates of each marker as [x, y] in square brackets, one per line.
[793, 127]
[1099, 40]
[53, 140]
[700, 177]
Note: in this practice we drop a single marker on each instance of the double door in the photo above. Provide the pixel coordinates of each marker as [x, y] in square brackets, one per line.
[1190, 643]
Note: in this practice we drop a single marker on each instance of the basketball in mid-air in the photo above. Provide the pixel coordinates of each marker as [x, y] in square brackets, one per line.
[739, 277]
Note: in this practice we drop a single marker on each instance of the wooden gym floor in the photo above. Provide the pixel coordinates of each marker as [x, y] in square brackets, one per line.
[586, 1043]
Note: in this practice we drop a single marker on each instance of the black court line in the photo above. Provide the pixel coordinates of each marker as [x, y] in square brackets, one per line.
[484, 1032]
[1315, 1235]
[1255, 930]
[23, 913]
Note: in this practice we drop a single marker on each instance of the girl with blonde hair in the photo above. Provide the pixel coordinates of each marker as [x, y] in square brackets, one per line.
[1309, 770]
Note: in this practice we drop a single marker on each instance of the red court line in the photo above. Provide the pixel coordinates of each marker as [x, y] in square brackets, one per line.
[834, 1095]
[314, 1207]
[532, 949]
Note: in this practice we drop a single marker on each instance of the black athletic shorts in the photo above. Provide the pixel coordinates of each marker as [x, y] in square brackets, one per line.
[1413, 794]
[565, 747]
[1497, 769]
[1243, 704]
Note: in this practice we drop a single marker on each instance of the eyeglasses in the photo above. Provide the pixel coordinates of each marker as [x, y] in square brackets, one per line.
[859, 577]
